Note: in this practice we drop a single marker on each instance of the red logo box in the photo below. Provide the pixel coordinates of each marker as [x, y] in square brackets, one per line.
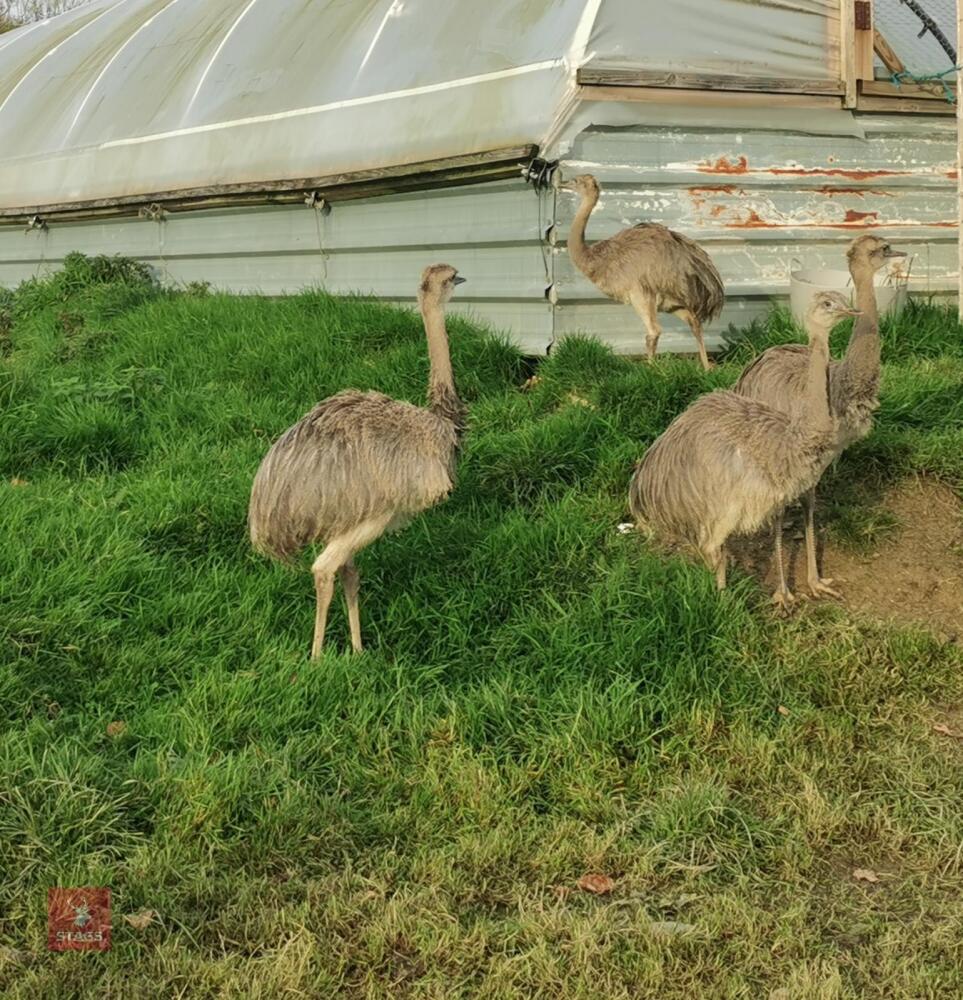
[78, 919]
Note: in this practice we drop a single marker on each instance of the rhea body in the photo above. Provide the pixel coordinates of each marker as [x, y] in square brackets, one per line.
[649, 267]
[360, 464]
[728, 463]
[778, 378]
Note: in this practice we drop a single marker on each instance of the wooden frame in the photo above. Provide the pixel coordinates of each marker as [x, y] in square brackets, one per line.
[707, 98]
[657, 79]
[493, 164]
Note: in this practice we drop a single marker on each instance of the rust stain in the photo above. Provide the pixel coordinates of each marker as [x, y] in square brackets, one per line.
[716, 189]
[854, 216]
[832, 192]
[855, 175]
[726, 166]
[854, 220]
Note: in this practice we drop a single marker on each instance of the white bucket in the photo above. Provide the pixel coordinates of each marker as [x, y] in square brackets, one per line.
[804, 283]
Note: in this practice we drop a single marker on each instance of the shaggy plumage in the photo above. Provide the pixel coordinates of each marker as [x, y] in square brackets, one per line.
[778, 378]
[727, 463]
[649, 267]
[359, 464]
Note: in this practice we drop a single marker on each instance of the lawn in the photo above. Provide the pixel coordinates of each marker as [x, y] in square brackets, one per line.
[542, 698]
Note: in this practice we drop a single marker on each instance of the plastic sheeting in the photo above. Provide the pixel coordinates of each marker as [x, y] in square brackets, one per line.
[769, 38]
[138, 97]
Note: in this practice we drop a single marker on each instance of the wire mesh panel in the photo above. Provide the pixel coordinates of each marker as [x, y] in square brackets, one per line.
[901, 23]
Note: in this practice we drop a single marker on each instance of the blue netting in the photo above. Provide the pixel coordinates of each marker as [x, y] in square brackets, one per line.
[923, 55]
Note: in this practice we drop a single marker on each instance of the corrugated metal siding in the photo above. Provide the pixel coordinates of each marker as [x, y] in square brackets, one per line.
[757, 199]
[377, 246]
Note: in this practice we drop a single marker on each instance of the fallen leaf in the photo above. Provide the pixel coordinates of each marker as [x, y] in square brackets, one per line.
[562, 892]
[782, 710]
[116, 728]
[597, 884]
[141, 920]
[16, 481]
[530, 383]
[865, 875]
[625, 527]
[944, 730]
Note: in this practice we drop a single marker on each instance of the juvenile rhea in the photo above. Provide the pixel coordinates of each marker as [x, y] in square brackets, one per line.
[778, 377]
[728, 463]
[649, 267]
[360, 464]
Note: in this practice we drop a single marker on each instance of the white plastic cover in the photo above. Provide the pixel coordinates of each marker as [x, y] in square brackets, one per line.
[769, 38]
[138, 97]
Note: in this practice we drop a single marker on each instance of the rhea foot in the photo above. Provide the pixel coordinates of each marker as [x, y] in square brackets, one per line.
[784, 602]
[821, 587]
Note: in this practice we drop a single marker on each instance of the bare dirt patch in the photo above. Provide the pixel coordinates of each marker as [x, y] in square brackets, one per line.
[914, 577]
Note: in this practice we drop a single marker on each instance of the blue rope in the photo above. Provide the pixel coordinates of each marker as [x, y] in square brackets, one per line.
[905, 75]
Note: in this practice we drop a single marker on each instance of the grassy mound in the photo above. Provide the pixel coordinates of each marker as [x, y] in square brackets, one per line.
[542, 697]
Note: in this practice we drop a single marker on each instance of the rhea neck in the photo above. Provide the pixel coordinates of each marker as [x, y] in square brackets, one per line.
[577, 248]
[818, 417]
[443, 398]
[862, 354]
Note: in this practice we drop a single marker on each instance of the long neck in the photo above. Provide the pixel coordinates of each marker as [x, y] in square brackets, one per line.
[443, 398]
[818, 418]
[862, 354]
[577, 249]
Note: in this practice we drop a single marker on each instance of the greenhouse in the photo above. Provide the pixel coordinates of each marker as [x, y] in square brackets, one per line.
[267, 145]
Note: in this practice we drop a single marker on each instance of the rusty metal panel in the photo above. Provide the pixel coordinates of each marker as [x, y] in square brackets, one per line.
[757, 200]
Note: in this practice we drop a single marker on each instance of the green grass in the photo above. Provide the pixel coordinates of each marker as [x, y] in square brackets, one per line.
[541, 696]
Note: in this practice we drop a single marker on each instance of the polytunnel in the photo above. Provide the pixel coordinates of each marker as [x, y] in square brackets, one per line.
[264, 145]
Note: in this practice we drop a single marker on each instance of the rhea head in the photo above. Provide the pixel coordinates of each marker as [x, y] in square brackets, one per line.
[437, 284]
[826, 310]
[584, 185]
[872, 251]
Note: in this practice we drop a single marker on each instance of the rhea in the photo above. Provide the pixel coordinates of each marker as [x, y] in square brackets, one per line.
[778, 378]
[649, 267]
[360, 464]
[728, 463]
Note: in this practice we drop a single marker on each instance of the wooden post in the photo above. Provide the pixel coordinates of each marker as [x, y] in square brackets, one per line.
[959, 151]
[847, 51]
[863, 22]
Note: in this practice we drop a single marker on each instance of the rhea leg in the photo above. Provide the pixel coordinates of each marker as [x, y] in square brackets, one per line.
[351, 584]
[695, 325]
[323, 590]
[717, 559]
[644, 305]
[818, 587]
[782, 597]
[339, 553]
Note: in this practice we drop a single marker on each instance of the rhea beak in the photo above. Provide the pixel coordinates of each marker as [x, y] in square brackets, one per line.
[458, 280]
[567, 186]
[851, 312]
[890, 252]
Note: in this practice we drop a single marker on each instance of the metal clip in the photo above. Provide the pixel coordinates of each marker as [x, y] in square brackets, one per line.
[35, 222]
[313, 200]
[152, 212]
[539, 173]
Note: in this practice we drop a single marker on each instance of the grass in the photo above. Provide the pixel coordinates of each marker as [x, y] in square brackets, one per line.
[541, 697]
